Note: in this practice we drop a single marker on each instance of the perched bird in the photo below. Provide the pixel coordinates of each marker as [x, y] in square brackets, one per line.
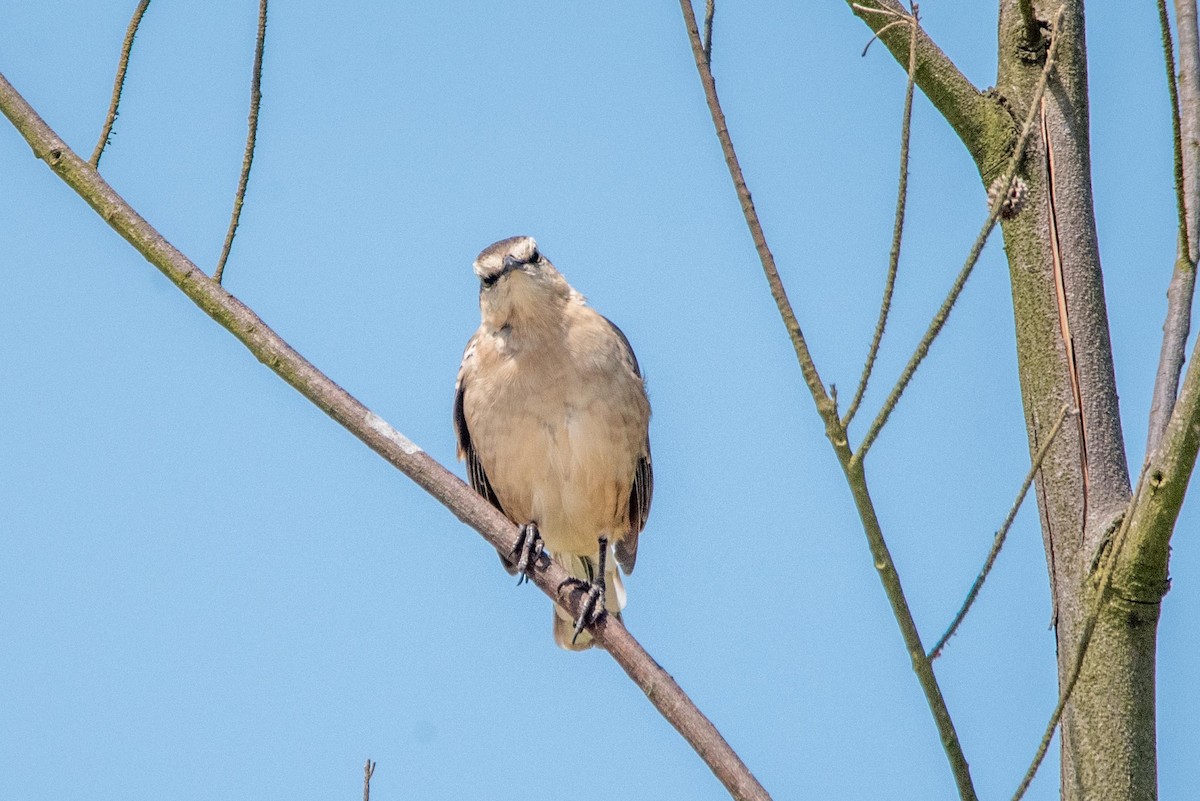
[552, 418]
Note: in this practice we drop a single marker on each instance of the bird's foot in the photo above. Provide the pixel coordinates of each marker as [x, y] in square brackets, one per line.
[591, 605]
[526, 552]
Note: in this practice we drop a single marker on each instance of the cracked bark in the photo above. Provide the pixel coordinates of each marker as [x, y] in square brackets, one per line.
[1065, 355]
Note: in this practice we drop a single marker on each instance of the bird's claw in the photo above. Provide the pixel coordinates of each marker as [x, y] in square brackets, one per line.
[591, 605]
[526, 552]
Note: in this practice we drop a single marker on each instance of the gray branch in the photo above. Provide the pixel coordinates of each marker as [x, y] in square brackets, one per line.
[469, 507]
[1182, 287]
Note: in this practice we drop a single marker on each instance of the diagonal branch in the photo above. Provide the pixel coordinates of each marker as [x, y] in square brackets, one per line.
[119, 81]
[1181, 204]
[982, 123]
[1001, 535]
[1143, 566]
[1000, 196]
[807, 367]
[469, 507]
[889, 285]
[836, 433]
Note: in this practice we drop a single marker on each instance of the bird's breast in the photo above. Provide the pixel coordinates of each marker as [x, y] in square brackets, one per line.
[560, 446]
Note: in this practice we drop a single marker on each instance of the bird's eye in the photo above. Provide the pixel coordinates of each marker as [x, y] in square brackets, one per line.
[489, 281]
[534, 257]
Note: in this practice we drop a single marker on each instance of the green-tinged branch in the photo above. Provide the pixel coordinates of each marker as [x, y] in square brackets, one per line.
[980, 120]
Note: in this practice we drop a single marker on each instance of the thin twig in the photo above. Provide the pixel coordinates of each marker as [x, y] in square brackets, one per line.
[1168, 46]
[1185, 106]
[882, 31]
[976, 116]
[807, 367]
[1188, 76]
[883, 12]
[368, 772]
[710, 8]
[1001, 535]
[252, 132]
[466, 504]
[119, 82]
[1085, 637]
[897, 18]
[943, 313]
[889, 286]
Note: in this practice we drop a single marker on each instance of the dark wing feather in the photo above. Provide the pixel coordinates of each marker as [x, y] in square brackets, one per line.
[476, 476]
[639, 509]
[643, 479]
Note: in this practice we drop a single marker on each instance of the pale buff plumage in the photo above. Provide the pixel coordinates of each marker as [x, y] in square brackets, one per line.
[552, 417]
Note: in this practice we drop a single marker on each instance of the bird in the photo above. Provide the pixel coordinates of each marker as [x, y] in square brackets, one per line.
[552, 420]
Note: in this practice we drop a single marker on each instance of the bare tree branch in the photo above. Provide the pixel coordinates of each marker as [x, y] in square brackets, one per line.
[799, 344]
[885, 567]
[1185, 113]
[889, 285]
[468, 506]
[710, 10]
[1002, 185]
[368, 772]
[1144, 565]
[1001, 534]
[836, 433]
[119, 81]
[1164, 24]
[1189, 118]
[984, 126]
[251, 134]
[1176, 328]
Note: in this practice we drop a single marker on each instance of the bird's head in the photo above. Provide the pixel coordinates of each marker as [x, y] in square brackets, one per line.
[518, 284]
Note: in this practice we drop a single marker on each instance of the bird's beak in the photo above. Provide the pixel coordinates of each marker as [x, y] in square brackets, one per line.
[510, 264]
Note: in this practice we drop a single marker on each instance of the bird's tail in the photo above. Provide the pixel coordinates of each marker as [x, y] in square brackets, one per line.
[584, 568]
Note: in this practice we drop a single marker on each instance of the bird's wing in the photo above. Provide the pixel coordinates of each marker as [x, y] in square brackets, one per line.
[475, 474]
[643, 476]
[639, 510]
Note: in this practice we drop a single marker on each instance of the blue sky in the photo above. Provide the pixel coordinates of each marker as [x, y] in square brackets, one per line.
[210, 590]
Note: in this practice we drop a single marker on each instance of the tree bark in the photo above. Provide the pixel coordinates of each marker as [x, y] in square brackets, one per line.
[1064, 355]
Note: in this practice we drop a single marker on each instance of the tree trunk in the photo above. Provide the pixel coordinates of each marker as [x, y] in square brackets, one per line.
[1065, 357]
